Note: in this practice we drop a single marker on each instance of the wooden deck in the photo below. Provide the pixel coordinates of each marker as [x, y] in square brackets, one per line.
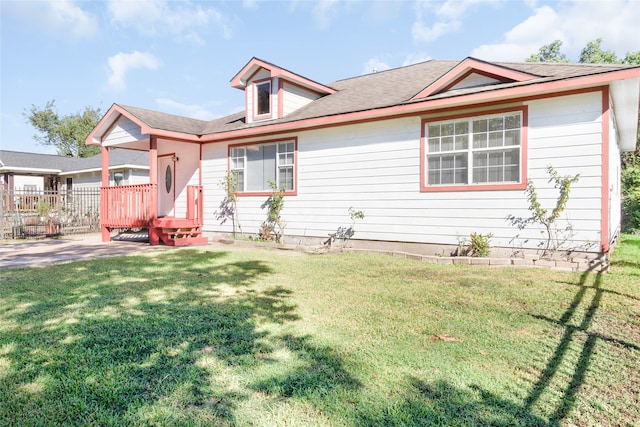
[135, 206]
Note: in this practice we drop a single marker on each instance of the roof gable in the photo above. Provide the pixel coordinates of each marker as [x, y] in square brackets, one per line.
[473, 72]
[242, 78]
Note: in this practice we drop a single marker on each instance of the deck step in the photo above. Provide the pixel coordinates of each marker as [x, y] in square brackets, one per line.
[182, 235]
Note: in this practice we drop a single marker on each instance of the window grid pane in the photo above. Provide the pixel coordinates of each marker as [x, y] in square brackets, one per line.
[285, 165]
[237, 167]
[447, 169]
[490, 144]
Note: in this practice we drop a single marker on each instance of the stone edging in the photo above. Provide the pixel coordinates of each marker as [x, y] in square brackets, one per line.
[573, 264]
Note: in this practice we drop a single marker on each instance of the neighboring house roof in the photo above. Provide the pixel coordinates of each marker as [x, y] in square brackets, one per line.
[401, 90]
[17, 161]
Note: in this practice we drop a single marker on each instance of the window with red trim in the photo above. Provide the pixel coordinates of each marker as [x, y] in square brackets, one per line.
[474, 150]
[255, 165]
[263, 98]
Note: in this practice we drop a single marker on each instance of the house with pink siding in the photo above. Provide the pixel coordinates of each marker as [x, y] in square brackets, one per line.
[430, 152]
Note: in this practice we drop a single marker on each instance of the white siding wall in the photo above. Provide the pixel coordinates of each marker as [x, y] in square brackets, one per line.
[375, 167]
[187, 170]
[274, 98]
[137, 176]
[85, 180]
[295, 97]
[124, 131]
[566, 133]
[19, 181]
[94, 179]
[214, 169]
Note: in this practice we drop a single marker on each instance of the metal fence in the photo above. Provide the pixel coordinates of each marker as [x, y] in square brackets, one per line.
[36, 214]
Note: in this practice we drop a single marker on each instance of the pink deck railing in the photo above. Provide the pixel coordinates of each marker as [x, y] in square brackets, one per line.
[127, 206]
[130, 206]
[194, 203]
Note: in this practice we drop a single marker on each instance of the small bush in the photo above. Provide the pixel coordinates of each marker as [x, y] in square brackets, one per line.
[479, 245]
[631, 213]
[631, 199]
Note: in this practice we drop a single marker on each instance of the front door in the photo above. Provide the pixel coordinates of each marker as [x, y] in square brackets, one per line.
[166, 186]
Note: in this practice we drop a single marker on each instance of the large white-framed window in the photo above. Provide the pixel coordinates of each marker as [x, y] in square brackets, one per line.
[475, 152]
[255, 165]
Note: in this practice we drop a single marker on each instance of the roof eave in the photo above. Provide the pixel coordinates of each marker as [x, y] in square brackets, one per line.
[99, 169]
[625, 95]
[6, 169]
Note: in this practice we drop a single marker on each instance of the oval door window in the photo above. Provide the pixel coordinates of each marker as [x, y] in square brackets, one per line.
[168, 179]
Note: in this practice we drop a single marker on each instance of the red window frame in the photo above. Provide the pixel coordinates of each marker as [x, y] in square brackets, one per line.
[424, 187]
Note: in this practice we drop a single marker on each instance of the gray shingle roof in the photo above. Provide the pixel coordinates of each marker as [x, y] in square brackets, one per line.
[36, 161]
[388, 88]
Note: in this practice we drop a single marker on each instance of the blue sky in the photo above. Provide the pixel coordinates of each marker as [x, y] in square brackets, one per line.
[179, 56]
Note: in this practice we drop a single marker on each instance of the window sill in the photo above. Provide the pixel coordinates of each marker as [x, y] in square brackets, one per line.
[263, 117]
[263, 193]
[474, 187]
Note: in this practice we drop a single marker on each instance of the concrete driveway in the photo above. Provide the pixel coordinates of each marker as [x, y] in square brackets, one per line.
[37, 253]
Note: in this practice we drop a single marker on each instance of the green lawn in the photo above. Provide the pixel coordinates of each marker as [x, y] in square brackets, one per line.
[264, 338]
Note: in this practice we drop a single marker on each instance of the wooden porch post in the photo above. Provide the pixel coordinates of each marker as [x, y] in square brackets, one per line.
[104, 203]
[154, 238]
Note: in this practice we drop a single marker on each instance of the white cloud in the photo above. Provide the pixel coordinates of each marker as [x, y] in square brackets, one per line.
[121, 63]
[193, 111]
[374, 65]
[324, 11]
[66, 15]
[158, 17]
[249, 4]
[62, 18]
[454, 9]
[414, 58]
[574, 23]
[447, 15]
[420, 32]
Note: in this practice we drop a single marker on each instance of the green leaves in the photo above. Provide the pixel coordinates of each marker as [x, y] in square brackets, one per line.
[592, 53]
[67, 133]
[549, 53]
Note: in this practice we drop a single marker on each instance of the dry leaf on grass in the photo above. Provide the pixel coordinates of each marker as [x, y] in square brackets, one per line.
[444, 337]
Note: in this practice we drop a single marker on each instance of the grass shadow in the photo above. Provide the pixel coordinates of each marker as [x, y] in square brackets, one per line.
[440, 403]
[320, 371]
[568, 399]
[128, 340]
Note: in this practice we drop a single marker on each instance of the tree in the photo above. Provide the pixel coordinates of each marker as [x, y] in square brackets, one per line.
[593, 54]
[67, 133]
[549, 53]
[632, 58]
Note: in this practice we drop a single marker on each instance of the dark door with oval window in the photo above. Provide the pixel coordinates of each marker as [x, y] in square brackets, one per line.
[166, 186]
